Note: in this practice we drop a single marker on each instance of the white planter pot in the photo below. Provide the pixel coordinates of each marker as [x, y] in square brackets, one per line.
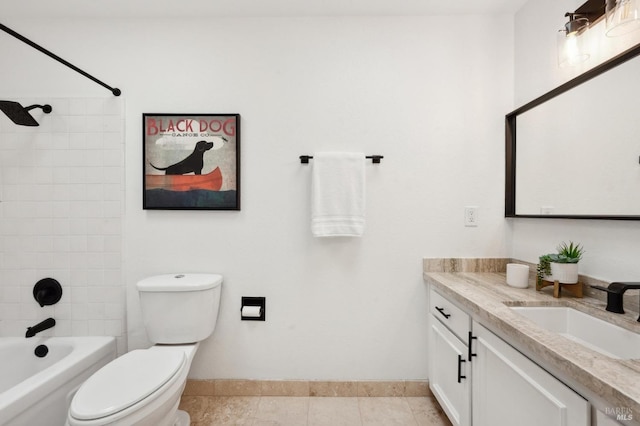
[564, 273]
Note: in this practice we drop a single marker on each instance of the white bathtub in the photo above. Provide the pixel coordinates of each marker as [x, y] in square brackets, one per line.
[38, 391]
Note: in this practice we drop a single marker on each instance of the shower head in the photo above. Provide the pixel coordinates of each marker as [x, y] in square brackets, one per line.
[20, 115]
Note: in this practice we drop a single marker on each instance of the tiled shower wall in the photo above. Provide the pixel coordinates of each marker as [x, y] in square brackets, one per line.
[61, 213]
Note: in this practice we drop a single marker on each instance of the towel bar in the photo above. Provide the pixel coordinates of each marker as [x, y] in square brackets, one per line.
[304, 159]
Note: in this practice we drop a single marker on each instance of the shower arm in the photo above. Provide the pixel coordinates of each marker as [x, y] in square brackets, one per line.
[115, 91]
[45, 108]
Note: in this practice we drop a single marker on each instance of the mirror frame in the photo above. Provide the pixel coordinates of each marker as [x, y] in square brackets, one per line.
[510, 130]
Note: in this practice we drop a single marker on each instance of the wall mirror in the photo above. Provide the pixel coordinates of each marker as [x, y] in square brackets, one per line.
[575, 151]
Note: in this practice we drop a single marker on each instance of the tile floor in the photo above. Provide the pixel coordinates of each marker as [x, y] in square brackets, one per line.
[313, 411]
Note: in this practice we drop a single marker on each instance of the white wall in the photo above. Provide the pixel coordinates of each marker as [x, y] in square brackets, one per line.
[429, 98]
[611, 246]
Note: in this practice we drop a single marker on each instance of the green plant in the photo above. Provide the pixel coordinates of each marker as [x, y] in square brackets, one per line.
[567, 253]
[544, 266]
[571, 253]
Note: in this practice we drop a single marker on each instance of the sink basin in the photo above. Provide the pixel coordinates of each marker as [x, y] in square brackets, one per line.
[594, 333]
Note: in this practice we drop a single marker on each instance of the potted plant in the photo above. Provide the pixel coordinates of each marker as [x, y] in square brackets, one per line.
[561, 266]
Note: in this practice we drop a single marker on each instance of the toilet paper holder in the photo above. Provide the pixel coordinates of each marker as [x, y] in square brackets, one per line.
[249, 302]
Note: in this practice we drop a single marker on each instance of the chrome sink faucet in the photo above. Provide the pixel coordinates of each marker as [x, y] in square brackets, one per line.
[615, 293]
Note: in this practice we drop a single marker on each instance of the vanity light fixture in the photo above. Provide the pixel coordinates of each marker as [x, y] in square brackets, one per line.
[571, 46]
[623, 17]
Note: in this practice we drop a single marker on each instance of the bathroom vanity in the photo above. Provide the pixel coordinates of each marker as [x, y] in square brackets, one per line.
[491, 365]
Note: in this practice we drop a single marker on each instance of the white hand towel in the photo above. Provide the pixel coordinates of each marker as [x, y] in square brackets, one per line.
[337, 194]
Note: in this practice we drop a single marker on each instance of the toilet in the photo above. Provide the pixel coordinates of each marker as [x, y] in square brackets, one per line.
[143, 387]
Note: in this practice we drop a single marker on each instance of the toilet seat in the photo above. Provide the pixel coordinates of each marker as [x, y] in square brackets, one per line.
[143, 371]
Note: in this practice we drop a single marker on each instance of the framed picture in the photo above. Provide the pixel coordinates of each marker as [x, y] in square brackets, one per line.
[191, 161]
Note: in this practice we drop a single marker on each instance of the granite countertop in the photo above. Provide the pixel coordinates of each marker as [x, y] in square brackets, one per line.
[607, 382]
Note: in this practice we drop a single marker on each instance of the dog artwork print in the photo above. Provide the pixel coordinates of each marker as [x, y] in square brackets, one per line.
[191, 162]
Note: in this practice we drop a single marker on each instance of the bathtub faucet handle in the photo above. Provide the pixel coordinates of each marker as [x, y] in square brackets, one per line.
[47, 291]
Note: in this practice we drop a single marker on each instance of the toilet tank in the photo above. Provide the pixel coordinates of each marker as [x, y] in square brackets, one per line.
[180, 308]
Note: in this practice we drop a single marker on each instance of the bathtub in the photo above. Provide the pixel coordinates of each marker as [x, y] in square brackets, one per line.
[36, 390]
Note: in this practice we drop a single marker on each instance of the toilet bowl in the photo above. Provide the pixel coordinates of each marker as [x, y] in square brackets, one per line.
[143, 387]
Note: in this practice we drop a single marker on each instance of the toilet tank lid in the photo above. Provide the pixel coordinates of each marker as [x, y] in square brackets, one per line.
[179, 282]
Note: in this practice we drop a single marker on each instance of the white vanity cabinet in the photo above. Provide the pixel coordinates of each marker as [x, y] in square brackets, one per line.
[481, 380]
[508, 388]
[449, 370]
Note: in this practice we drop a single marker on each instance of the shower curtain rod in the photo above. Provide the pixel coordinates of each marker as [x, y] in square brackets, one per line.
[115, 91]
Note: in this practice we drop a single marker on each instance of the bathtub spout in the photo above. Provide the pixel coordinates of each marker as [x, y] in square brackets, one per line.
[44, 325]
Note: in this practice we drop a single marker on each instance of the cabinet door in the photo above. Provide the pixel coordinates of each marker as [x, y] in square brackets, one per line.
[447, 366]
[509, 389]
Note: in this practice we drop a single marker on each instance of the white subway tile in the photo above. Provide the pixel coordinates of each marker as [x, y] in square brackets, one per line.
[77, 192]
[112, 124]
[10, 293]
[79, 303]
[113, 277]
[113, 327]
[112, 191]
[95, 327]
[94, 107]
[60, 106]
[95, 125]
[113, 175]
[111, 141]
[59, 141]
[112, 260]
[78, 243]
[79, 328]
[95, 243]
[60, 124]
[114, 310]
[61, 259]
[79, 140]
[77, 277]
[95, 277]
[77, 226]
[42, 141]
[9, 311]
[112, 158]
[42, 175]
[61, 244]
[94, 208]
[62, 193]
[112, 243]
[112, 226]
[63, 327]
[95, 176]
[62, 310]
[44, 243]
[77, 106]
[95, 311]
[61, 175]
[12, 193]
[43, 226]
[78, 261]
[93, 158]
[77, 123]
[112, 209]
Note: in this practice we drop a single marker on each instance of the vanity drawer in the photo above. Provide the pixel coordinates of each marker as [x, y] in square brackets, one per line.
[454, 318]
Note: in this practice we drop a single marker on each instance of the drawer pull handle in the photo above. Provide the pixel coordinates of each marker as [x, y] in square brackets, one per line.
[470, 349]
[460, 376]
[441, 310]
